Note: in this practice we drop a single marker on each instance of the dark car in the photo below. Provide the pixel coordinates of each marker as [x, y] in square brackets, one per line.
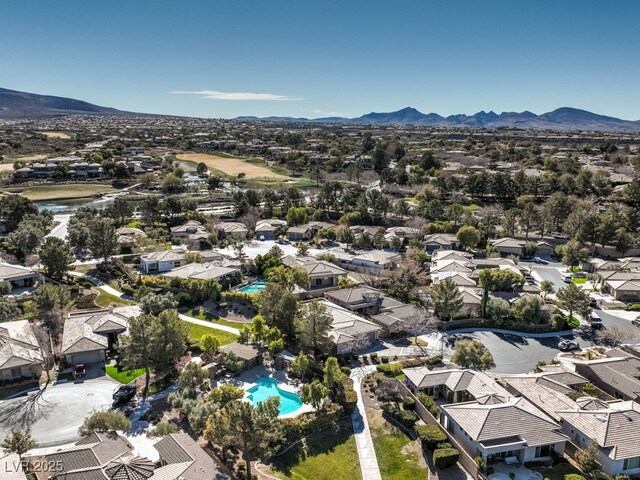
[79, 371]
[124, 393]
[595, 321]
[635, 323]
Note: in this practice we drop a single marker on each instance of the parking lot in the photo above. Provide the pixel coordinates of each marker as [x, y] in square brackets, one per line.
[55, 414]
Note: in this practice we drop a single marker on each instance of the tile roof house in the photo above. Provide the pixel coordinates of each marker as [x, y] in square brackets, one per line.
[20, 354]
[266, 229]
[440, 241]
[612, 426]
[307, 231]
[166, 260]
[349, 330]
[619, 376]
[498, 427]
[201, 271]
[626, 290]
[88, 334]
[365, 260]
[515, 246]
[363, 300]
[182, 458]
[191, 230]
[322, 274]
[231, 229]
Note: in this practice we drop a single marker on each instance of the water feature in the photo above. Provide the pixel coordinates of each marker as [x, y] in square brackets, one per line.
[266, 388]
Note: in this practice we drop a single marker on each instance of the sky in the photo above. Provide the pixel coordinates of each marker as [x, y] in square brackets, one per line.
[302, 58]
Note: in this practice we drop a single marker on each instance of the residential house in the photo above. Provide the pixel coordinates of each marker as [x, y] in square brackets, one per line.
[394, 319]
[623, 289]
[362, 300]
[372, 261]
[307, 231]
[87, 335]
[350, 331]
[266, 229]
[404, 233]
[503, 428]
[617, 376]
[165, 260]
[191, 230]
[96, 456]
[516, 246]
[127, 236]
[371, 230]
[20, 354]
[17, 275]
[440, 241]
[202, 271]
[231, 230]
[454, 385]
[321, 274]
[182, 458]
[612, 426]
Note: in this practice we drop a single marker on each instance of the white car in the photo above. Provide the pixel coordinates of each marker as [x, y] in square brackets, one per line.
[567, 345]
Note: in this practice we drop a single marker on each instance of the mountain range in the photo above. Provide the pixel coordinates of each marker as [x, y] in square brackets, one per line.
[31, 106]
[561, 119]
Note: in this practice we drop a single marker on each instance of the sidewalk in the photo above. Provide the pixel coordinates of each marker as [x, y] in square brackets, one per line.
[97, 282]
[207, 324]
[364, 443]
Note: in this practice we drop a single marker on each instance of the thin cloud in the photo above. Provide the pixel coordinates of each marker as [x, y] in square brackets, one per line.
[238, 96]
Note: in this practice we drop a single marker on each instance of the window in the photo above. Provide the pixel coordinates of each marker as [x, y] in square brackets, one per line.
[544, 451]
[16, 372]
[631, 463]
[318, 281]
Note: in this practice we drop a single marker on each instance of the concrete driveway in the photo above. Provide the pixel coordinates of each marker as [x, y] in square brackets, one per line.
[55, 414]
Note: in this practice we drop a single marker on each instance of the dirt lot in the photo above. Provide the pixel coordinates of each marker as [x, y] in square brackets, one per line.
[231, 166]
[64, 136]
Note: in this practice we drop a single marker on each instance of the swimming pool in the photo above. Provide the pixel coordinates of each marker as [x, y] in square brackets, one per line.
[267, 388]
[255, 287]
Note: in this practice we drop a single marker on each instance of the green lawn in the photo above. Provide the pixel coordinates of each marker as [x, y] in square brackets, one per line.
[197, 331]
[579, 281]
[399, 458]
[106, 299]
[124, 376]
[556, 472]
[326, 455]
[210, 317]
[573, 322]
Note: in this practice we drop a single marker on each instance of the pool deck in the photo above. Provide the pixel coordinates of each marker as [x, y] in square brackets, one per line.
[248, 379]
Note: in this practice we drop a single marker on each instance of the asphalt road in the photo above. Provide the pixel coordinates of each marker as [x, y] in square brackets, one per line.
[55, 414]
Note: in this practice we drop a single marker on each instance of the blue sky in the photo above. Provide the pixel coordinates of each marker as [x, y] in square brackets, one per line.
[303, 58]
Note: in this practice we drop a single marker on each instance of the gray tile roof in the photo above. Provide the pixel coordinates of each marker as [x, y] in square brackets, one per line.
[181, 450]
[18, 345]
[495, 421]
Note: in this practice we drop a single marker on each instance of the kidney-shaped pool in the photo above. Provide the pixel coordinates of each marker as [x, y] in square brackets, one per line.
[266, 388]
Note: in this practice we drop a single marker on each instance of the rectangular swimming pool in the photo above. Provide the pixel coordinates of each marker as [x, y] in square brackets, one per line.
[255, 287]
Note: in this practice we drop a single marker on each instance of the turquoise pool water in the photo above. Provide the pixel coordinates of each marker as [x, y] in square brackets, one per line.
[255, 287]
[267, 388]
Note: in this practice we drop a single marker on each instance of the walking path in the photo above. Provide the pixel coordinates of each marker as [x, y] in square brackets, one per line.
[207, 324]
[97, 282]
[364, 443]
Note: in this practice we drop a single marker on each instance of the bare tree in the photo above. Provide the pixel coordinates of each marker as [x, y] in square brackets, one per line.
[614, 336]
[250, 218]
[420, 322]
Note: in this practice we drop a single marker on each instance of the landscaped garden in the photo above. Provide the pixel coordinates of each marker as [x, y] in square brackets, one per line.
[321, 456]
[210, 317]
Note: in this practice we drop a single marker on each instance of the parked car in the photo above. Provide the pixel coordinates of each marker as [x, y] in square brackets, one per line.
[529, 279]
[540, 261]
[594, 320]
[593, 302]
[567, 345]
[566, 278]
[79, 371]
[124, 393]
[635, 323]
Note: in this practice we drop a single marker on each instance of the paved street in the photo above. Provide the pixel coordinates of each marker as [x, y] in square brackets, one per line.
[55, 414]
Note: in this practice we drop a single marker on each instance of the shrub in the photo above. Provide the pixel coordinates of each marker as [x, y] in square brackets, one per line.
[390, 369]
[430, 436]
[429, 403]
[345, 370]
[407, 418]
[445, 457]
[408, 403]
[127, 289]
[573, 476]
[183, 298]
[444, 445]
[384, 359]
[374, 357]
[389, 408]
